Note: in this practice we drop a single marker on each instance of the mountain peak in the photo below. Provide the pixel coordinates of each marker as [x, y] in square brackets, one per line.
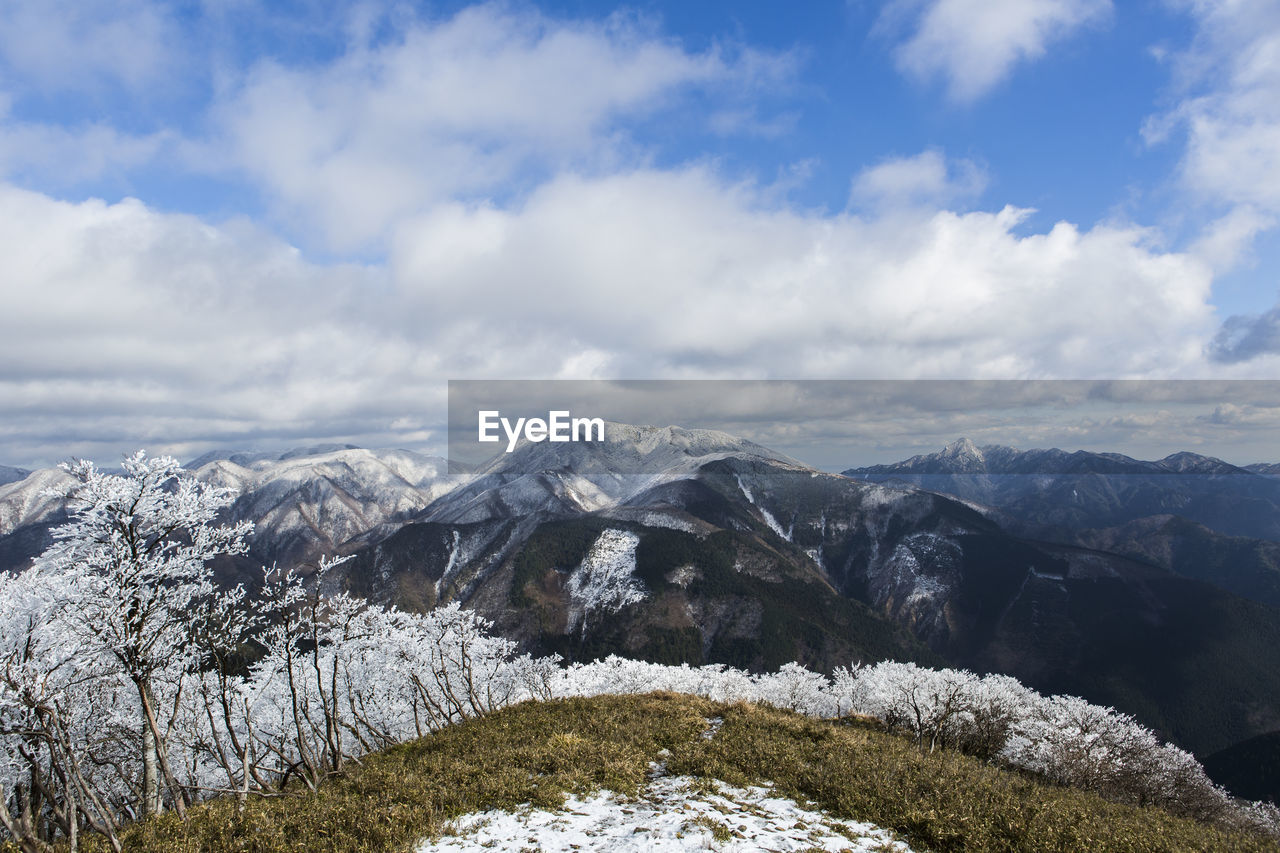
[1185, 462]
[962, 448]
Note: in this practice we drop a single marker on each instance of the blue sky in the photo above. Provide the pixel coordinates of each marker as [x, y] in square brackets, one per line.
[236, 223]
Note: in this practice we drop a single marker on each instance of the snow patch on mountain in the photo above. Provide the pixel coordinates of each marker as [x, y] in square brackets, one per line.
[654, 518]
[672, 813]
[605, 581]
[764, 513]
[450, 567]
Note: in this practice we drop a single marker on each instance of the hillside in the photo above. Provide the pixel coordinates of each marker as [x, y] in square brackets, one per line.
[536, 753]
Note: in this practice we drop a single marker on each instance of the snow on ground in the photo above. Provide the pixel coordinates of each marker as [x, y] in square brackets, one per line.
[672, 813]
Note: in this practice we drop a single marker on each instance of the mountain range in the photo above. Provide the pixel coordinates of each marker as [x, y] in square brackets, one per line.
[1053, 489]
[1148, 586]
[1194, 515]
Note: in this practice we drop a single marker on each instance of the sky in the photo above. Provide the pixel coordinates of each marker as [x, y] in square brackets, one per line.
[239, 224]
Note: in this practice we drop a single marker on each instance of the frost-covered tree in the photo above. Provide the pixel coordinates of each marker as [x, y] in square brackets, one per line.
[135, 554]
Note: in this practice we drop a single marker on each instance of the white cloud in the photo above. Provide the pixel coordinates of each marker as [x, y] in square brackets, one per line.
[472, 105]
[1227, 239]
[58, 45]
[58, 156]
[1229, 108]
[973, 45]
[925, 178]
[124, 325]
[1227, 84]
[680, 274]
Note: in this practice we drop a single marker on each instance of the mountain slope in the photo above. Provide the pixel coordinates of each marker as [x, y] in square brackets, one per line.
[1247, 567]
[1249, 769]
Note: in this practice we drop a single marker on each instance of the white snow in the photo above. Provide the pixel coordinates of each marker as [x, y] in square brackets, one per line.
[452, 566]
[604, 581]
[768, 516]
[672, 813]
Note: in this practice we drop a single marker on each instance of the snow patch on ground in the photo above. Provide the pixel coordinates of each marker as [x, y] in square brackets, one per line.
[672, 813]
[605, 580]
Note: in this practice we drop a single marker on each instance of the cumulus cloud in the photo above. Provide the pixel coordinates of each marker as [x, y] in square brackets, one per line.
[680, 272]
[467, 106]
[973, 45]
[56, 156]
[60, 45]
[926, 178]
[1228, 108]
[124, 324]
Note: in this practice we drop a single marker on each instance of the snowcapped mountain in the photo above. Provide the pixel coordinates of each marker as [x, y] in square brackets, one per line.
[11, 475]
[1058, 492]
[28, 508]
[31, 499]
[306, 503]
[303, 503]
[570, 478]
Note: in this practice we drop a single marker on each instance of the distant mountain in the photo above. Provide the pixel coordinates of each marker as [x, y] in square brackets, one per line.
[27, 512]
[307, 502]
[250, 459]
[1247, 567]
[571, 478]
[11, 475]
[303, 503]
[1270, 469]
[586, 549]
[1062, 492]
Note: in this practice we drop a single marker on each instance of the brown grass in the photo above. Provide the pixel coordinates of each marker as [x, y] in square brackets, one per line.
[537, 752]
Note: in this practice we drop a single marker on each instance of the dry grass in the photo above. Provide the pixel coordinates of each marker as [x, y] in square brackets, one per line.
[537, 752]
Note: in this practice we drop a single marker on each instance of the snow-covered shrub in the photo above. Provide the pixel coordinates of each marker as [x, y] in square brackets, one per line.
[934, 707]
[795, 688]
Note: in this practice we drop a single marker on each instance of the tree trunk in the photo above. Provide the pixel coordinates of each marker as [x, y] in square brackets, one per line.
[151, 802]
